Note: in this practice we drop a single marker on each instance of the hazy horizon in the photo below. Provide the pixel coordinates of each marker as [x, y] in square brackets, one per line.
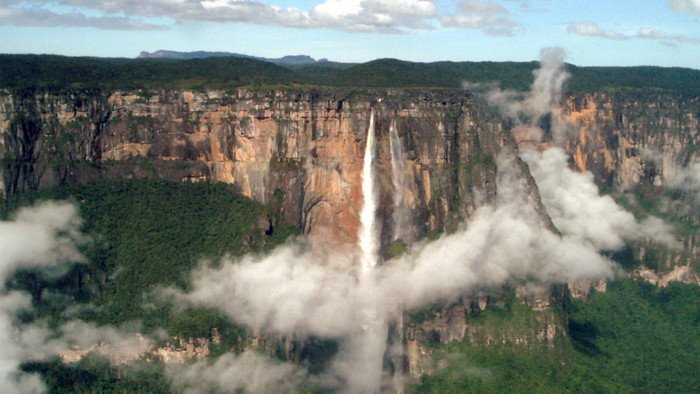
[654, 33]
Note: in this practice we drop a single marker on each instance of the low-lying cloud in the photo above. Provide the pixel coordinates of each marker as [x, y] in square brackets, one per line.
[46, 238]
[549, 231]
[43, 237]
[576, 207]
[249, 372]
[300, 291]
[686, 178]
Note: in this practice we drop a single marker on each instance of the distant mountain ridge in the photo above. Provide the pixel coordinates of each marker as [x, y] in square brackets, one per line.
[165, 54]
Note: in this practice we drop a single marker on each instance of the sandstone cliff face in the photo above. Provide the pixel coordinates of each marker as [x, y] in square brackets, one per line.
[530, 320]
[631, 138]
[647, 142]
[301, 149]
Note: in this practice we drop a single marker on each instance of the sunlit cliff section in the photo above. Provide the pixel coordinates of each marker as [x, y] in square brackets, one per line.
[301, 149]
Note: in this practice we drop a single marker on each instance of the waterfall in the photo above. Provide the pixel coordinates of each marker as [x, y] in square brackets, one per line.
[369, 236]
[364, 351]
[403, 225]
[402, 231]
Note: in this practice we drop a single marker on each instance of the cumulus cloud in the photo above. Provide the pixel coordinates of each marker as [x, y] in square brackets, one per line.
[686, 6]
[483, 15]
[591, 29]
[383, 16]
[482, 7]
[369, 16]
[44, 18]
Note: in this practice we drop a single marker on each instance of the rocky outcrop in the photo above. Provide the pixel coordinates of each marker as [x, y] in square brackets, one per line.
[682, 274]
[527, 318]
[138, 347]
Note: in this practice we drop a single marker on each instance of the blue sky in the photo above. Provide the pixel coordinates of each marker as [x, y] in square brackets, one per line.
[612, 32]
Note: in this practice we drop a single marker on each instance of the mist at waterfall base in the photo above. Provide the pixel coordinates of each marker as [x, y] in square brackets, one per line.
[308, 290]
[300, 291]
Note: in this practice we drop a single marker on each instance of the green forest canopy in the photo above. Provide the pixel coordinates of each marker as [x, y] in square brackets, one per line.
[59, 72]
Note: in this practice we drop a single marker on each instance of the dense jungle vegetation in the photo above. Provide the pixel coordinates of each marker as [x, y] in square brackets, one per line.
[60, 73]
[635, 338]
[147, 233]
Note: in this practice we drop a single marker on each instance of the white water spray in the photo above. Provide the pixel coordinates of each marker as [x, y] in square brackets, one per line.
[364, 351]
[369, 237]
[403, 226]
[402, 231]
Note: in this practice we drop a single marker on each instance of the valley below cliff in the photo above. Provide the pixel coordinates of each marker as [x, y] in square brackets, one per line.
[223, 229]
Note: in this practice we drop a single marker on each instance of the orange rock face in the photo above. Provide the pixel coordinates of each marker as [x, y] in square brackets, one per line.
[304, 147]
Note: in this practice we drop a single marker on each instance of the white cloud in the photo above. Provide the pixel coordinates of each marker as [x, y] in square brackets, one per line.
[652, 33]
[45, 237]
[573, 201]
[687, 39]
[38, 17]
[383, 16]
[688, 6]
[592, 29]
[526, 110]
[482, 7]
[298, 292]
[475, 21]
[248, 372]
[40, 237]
[686, 178]
[373, 16]
[482, 15]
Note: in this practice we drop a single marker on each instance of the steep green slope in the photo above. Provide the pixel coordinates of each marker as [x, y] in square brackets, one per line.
[633, 338]
[148, 233]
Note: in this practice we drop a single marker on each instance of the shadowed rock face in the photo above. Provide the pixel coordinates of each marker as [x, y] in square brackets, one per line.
[300, 149]
[645, 141]
[634, 138]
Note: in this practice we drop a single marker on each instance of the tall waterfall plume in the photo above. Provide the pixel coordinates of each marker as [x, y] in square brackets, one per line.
[402, 230]
[369, 236]
[364, 351]
[403, 222]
